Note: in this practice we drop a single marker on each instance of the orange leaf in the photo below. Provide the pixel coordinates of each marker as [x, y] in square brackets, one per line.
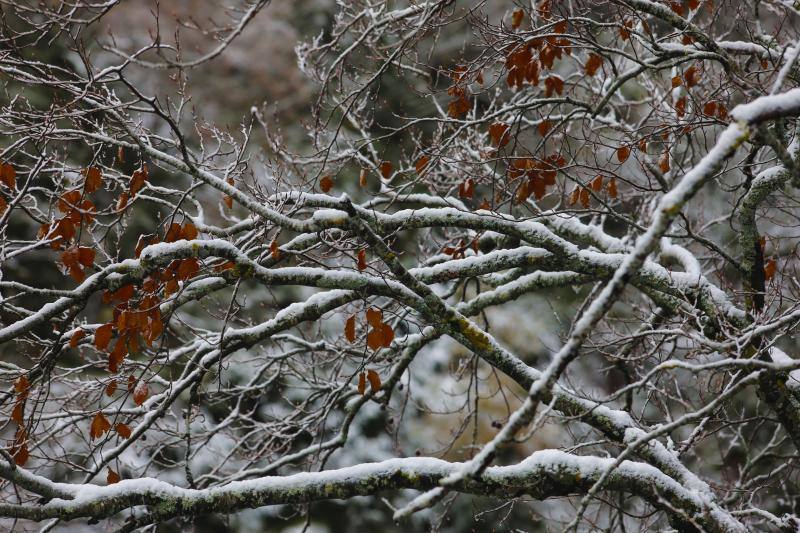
[189, 231]
[123, 201]
[676, 81]
[350, 329]
[612, 188]
[663, 162]
[173, 233]
[362, 178]
[362, 383]
[100, 425]
[643, 145]
[20, 453]
[387, 335]
[691, 77]
[86, 256]
[374, 380]
[375, 338]
[112, 477]
[326, 183]
[597, 184]
[422, 164]
[386, 169]
[622, 153]
[76, 338]
[374, 317]
[585, 198]
[544, 127]
[710, 108]
[140, 393]
[102, 336]
[769, 269]
[188, 268]
[137, 180]
[123, 430]
[574, 196]
[228, 201]
[18, 413]
[94, 179]
[516, 18]
[8, 176]
[593, 64]
[498, 132]
[274, 250]
[362, 260]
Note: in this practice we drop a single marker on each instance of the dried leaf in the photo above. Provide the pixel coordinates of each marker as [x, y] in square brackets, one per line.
[612, 188]
[691, 77]
[374, 380]
[112, 477]
[362, 383]
[274, 251]
[140, 393]
[663, 162]
[18, 412]
[374, 317]
[123, 430]
[189, 231]
[362, 177]
[111, 388]
[585, 198]
[769, 269]
[593, 64]
[362, 260]
[8, 175]
[94, 179]
[422, 164]
[499, 134]
[386, 169]
[597, 184]
[102, 336]
[623, 152]
[326, 184]
[676, 81]
[76, 337]
[516, 18]
[100, 425]
[350, 329]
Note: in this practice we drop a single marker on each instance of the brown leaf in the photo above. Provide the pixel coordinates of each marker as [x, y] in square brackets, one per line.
[362, 383]
[623, 152]
[374, 380]
[585, 198]
[544, 127]
[516, 18]
[374, 317]
[769, 269]
[663, 162]
[94, 179]
[8, 176]
[498, 132]
[387, 335]
[326, 184]
[123, 430]
[100, 425]
[140, 393]
[676, 81]
[691, 76]
[612, 188]
[362, 177]
[597, 184]
[386, 169]
[18, 412]
[102, 336]
[710, 108]
[173, 233]
[350, 329]
[76, 338]
[111, 388]
[189, 231]
[422, 164]
[138, 178]
[274, 251]
[362, 260]
[112, 477]
[593, 64]
[574, 196]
